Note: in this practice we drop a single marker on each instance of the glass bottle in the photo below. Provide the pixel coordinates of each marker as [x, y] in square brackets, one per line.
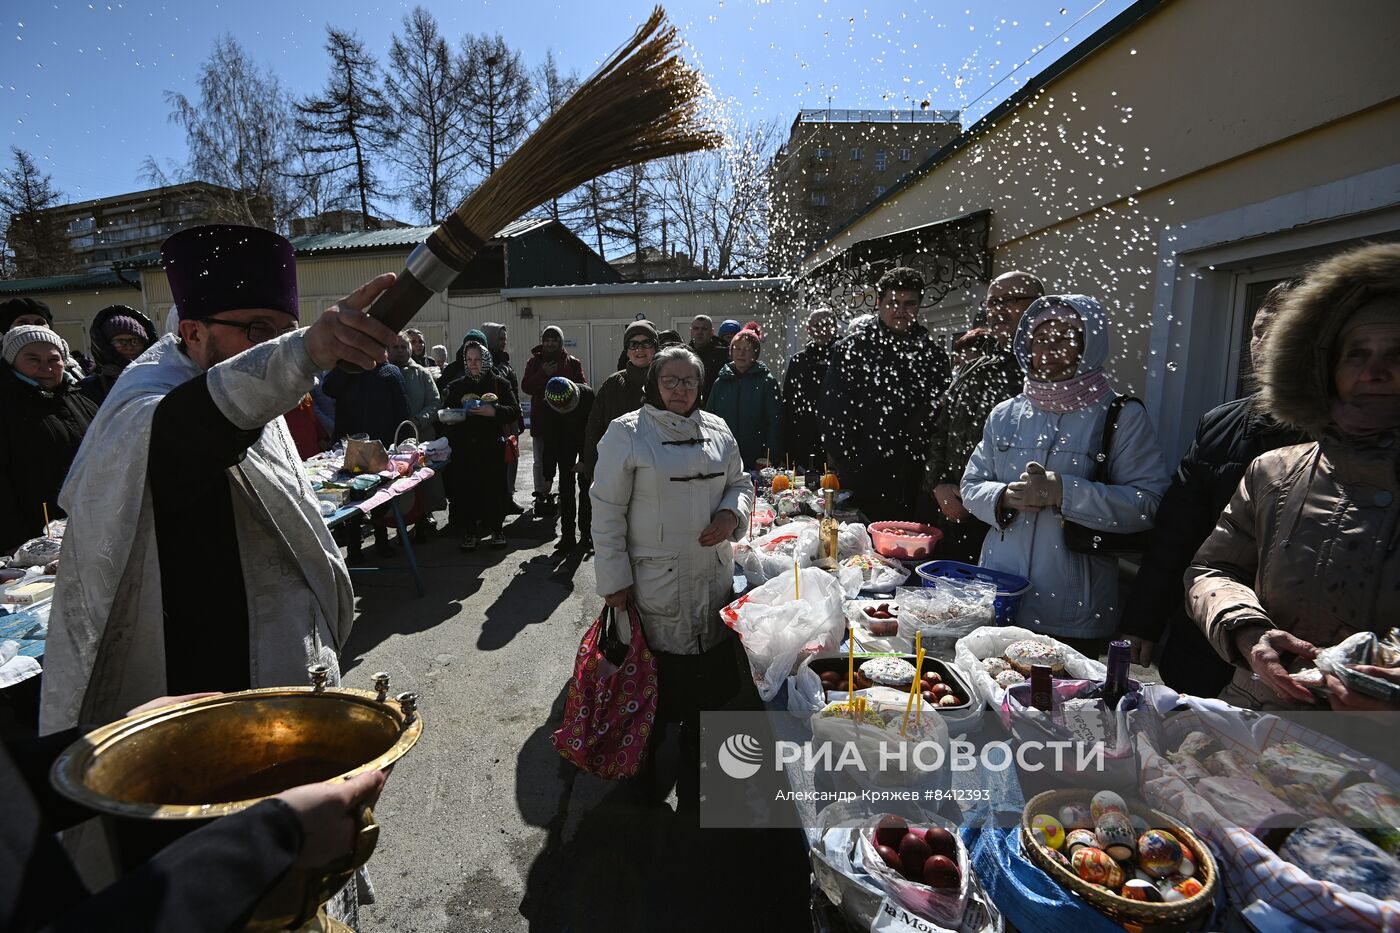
[829, 548]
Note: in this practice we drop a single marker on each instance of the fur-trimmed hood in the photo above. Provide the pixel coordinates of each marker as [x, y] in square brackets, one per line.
[1296, 363]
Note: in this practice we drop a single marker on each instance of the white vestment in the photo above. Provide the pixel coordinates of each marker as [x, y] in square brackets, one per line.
[106, 648]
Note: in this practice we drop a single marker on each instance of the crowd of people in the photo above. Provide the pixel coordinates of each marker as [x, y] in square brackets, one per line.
[177, 463]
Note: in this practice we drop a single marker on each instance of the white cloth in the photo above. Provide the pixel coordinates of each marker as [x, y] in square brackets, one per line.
[647, 521]
[105, 651]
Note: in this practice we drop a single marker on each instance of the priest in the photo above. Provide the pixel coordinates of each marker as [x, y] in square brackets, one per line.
[195, 556]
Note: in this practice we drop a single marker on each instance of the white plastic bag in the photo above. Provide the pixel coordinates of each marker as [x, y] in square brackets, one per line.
[991, 642]
[772, 553]
[853, 539]
[944, 612]
[879, 742]
[870, 571]
[779, 625]
[942, 907]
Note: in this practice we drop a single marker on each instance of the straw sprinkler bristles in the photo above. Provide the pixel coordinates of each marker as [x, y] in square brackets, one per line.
[642, 104]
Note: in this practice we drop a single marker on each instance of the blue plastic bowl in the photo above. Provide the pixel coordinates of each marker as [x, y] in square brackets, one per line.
[1010, 588]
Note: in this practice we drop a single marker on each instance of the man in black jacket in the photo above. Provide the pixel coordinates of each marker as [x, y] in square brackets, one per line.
[1227, 439]
[879, 398]
[561, 431]
[713, 354]
[802, 392]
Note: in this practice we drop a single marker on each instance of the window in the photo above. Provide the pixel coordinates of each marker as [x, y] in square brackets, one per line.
[822, 154]
[819, 178]
[820, 199]
[880, 160]
[904, 155]
[856, 154]
[879, 191]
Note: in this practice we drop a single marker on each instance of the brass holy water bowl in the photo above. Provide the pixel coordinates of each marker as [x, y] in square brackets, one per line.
[160, 774]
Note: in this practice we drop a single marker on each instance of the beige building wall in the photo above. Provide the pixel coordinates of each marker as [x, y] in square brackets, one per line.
[1249, 118]
[73, 312]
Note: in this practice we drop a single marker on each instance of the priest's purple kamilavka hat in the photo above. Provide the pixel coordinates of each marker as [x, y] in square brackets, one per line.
[226, 267]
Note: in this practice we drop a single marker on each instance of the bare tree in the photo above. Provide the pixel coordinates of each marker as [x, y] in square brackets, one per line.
[239, 135]
[634, 210]
[423, 86]
[495, 100]
[551, 89]
[719, 199]
[350, 119]
[591, 207]
[36, 239]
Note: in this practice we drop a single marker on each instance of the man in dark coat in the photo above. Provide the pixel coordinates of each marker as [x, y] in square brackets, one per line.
[561, 446]
[1227, 440]
[976, 389]
[623, 391]
[45, 420]
[373, 403]
[802, 393]
[712, 353]
[209, 880]
[878, 401]
[547, 360]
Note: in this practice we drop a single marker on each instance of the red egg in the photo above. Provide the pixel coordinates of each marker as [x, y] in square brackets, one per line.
[929, 698]
[941, 872]
[889, 831]
[913, 852]
[891, 857]
[941, 842]
[940, 690]
[829, 678]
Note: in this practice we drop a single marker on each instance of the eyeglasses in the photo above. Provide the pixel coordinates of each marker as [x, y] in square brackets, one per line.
[256, 332]
[675, 382]
[641, 344]
[1006, 301]
[128, 343]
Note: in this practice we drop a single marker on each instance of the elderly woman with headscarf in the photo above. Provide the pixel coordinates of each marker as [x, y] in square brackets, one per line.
[476, 478]
[1308, 550]
[1033, 469]
[118, 335]
[669, 494]
[45, 420]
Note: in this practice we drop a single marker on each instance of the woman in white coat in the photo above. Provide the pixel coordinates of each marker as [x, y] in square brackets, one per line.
[669, 494]
[1030, 473]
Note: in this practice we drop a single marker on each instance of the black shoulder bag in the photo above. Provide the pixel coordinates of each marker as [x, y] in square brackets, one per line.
[1083, 540]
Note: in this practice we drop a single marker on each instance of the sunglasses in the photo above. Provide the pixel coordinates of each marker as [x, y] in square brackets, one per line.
[641, 344]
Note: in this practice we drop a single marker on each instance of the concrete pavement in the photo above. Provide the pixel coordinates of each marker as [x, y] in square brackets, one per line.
[484, 826]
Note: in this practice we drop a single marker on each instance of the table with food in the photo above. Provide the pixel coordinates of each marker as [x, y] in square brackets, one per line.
[1198, 815]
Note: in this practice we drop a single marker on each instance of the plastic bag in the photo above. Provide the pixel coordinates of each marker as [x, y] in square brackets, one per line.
[942, 907]
[853, 539]
[946, 611]
[37, 552]
[870, 571]
[991, 642]
[882, 740]
[780, 626]
[773, 553]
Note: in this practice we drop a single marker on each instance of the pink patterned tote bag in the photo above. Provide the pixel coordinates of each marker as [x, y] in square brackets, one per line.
[611, 708]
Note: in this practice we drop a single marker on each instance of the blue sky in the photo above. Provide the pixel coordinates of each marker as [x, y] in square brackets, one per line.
[81, 83]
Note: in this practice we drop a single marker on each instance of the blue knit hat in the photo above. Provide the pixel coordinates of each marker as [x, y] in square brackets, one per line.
[729, 328]
[561, 394]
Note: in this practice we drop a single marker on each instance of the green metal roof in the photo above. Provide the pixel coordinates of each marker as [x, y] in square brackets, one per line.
[357, 240]
[83, 281]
